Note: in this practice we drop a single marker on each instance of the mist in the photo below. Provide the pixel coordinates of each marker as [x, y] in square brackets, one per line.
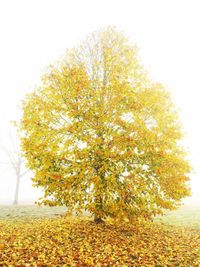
[33, 36]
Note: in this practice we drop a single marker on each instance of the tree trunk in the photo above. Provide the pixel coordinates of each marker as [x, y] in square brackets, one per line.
[99, 206]
[17, 191]
[98, 220]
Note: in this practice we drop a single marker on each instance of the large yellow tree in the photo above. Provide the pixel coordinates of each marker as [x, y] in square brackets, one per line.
[100, 135]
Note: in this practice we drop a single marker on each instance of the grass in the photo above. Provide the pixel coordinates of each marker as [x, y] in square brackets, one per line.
[187, 216]
[31, 211]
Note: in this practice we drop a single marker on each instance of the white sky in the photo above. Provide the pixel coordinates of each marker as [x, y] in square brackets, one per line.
[33, 33]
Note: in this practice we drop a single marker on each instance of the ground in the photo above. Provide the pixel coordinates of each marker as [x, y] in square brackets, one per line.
[42, 236]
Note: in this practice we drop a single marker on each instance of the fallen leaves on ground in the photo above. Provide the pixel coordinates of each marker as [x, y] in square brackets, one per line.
[80, 242]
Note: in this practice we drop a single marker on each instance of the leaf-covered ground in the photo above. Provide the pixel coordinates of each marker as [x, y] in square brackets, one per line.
[65, 241]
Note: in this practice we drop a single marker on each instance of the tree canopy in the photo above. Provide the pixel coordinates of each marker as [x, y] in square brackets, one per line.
[100, 135]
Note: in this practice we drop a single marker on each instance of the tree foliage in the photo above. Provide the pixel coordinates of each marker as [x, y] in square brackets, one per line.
[100, 135]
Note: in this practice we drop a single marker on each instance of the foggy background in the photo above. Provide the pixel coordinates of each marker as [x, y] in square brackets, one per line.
[35, 33]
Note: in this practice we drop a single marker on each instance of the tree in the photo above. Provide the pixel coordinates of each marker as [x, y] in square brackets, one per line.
[100, 135]
[16, 163]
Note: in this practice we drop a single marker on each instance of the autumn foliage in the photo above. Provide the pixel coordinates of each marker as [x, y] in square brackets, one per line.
[100, 136]
[79, 242]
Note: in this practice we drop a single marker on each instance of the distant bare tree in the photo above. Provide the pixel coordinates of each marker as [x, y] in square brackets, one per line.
[15, 162]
